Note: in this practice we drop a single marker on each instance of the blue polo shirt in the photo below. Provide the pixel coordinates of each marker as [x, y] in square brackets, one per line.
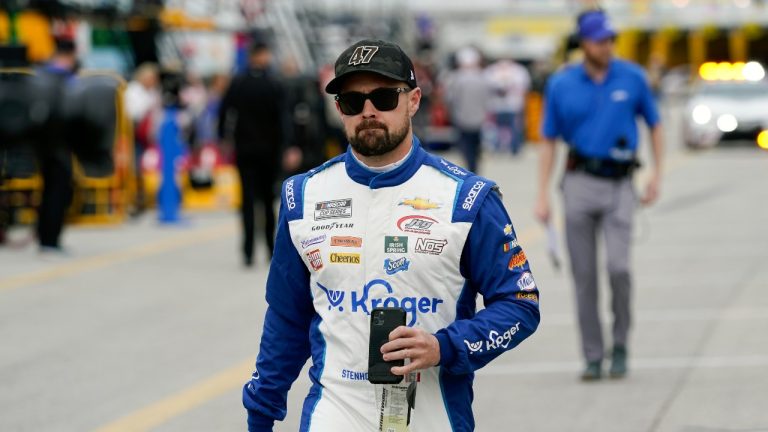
[597, 119]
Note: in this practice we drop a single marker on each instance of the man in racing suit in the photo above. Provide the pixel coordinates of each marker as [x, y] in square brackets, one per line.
[387, 225]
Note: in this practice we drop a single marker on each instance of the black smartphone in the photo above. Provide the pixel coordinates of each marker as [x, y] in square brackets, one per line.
[383, 321]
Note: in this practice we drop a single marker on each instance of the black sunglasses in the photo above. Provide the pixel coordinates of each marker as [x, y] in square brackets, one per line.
[383, 98]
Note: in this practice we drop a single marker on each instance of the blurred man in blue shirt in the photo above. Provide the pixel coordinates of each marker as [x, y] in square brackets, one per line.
[593, 107]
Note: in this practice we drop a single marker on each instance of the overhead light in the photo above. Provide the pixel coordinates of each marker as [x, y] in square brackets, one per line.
[727, 123]
[701, 114]
[753, 71]
[727, 71]
[762, 140]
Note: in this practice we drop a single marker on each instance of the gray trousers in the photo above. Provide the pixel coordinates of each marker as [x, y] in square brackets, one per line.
[592, 205]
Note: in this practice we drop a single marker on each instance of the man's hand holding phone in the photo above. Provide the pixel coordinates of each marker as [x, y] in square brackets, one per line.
[420, 347]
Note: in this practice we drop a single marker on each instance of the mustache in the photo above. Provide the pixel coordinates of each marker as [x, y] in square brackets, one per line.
[370, 124]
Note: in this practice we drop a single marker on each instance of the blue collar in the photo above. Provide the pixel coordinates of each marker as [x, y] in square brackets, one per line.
[608, 74]
[397, 176]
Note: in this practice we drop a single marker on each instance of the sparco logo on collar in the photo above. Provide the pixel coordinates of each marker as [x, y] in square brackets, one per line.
[290, 200]
[469, 201]
[416, 224]
[363, 55]
[333, 209]
[366, 301]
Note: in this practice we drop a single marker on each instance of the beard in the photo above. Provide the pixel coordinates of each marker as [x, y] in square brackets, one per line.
[372, 138]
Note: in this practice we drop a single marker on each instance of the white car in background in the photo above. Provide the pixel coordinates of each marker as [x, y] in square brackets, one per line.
[728, 103]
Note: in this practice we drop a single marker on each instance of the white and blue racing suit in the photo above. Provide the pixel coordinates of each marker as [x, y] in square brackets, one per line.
[428, 237]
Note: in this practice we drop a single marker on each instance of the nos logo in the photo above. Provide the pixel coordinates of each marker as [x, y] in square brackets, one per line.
[357, 303]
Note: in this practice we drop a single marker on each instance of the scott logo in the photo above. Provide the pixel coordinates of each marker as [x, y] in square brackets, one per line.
[469, 201]
[393, 266]
[416, 224]
[290, 200]
[366, 302]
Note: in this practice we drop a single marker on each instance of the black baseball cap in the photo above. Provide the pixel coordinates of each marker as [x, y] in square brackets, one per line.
[376, 56]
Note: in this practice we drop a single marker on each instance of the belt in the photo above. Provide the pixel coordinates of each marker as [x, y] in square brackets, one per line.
[604, 168]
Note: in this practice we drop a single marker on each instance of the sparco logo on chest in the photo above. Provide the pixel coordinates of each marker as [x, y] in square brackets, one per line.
[290, 200]
[469, 201]
[379, 293]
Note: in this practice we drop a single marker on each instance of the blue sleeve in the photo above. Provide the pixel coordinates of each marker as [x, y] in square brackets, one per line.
[551, 126]
[285, 337]
[495, 267]
[647, 106]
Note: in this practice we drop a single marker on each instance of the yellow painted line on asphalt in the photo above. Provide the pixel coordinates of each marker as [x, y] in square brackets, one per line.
[188, 238]
[164, 410]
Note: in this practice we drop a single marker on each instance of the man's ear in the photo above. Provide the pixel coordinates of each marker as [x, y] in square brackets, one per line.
[338, 108]
[414, 101]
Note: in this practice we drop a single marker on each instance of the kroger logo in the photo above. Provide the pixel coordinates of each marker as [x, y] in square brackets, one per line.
[452, 168]
[495, 340]
[379, 293]
[469, 201]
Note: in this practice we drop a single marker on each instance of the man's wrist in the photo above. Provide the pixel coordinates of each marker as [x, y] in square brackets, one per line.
[447, 352]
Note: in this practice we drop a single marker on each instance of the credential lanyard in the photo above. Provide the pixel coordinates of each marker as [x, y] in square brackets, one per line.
[392, 404]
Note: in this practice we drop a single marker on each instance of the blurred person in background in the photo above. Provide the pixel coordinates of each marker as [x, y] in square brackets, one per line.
[306, 122]
[142, 102]
[467, 94]
[334, 127]
[206, 123]
[593, 106]
[510, 81]
[55, 153]
[253, 113]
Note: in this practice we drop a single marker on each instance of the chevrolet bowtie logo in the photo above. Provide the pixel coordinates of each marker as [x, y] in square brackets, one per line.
[420, 204]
